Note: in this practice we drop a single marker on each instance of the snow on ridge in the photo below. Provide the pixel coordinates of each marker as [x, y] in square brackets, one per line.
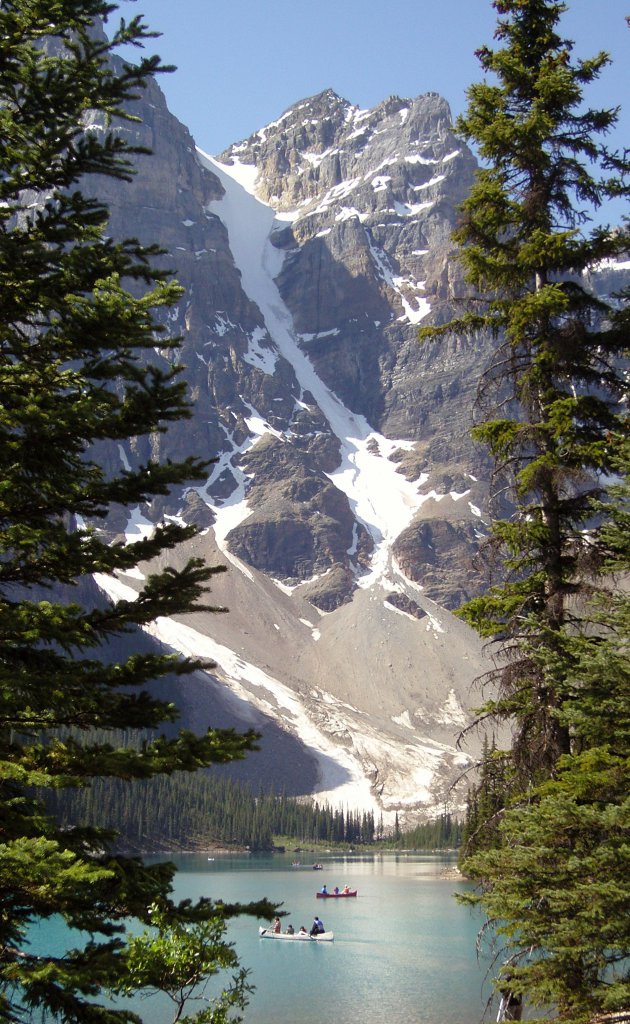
[348, 212]
[358, 133]
[315, 159]
[244, 174]
[398, 611]
[222, 324]
[411, 209]
[415, 158]
[290, 588]
[357, 114]
[434, 624]
[258, 425]
[388, 162]
[414, 316]
[289, 216]
[435, 180]
[262, 132]
[337, 192]
[233, 510]
[451, 712]
[403, 719]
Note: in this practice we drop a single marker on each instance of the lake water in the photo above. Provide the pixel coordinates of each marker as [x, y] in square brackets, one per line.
[404, 949]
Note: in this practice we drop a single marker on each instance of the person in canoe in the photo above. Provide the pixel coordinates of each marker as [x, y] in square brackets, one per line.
[317, 927]
[336, 890]
[346, 889]
[290, 929]
[277, 927]
[324, 891]
[303, 931]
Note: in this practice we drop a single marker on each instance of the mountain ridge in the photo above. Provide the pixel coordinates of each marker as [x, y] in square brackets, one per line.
[347, 497]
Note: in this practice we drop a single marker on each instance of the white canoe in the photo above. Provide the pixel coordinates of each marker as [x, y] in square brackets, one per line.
[268, 933]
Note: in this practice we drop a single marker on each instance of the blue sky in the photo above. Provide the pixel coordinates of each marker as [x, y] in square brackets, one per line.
[241, 63]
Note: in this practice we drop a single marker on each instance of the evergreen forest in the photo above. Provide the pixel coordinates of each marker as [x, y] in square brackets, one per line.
[204, 810]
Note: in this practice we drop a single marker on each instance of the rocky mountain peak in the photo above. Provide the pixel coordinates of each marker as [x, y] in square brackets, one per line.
[346, 497]
[323, 148]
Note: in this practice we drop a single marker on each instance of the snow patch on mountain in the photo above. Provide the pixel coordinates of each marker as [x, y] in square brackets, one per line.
[138, 526]
[263, 358]
[452, 712]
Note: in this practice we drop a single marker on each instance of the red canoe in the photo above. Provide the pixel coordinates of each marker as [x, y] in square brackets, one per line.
[335, 895]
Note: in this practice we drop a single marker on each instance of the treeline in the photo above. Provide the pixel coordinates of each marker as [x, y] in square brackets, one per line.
[486, 801]
[193, 809]
[445, 833]
[196, 810]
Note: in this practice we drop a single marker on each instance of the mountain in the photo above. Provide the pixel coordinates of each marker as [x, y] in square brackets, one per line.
[347, 499]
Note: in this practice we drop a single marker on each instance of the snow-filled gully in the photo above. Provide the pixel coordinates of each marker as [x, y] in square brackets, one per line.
[380, 497]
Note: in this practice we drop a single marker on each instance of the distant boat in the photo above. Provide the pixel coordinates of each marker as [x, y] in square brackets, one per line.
[307, 867]
[335, 895]
[268, 933]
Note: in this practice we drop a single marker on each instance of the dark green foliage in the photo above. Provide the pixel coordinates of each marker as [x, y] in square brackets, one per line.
[444, 833]
[197, 810]
[78, 331]
[178, 960]
[548, 843]
[486, 801]
[309, 821]
[556, 383]
[556, 888]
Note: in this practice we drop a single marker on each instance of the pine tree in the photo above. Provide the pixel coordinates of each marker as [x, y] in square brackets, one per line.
[555, 880]
[487, 800]
[555, 376]
[78, 328]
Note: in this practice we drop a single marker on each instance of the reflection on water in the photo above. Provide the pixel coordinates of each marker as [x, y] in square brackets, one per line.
[404, 949]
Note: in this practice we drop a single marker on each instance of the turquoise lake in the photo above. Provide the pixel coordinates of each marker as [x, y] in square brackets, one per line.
[404, 950]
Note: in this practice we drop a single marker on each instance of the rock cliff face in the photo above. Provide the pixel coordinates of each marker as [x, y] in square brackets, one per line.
[346, 496]
[357, 255]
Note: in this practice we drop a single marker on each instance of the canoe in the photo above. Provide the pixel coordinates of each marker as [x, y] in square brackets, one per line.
[335, 895]
[268, 933]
